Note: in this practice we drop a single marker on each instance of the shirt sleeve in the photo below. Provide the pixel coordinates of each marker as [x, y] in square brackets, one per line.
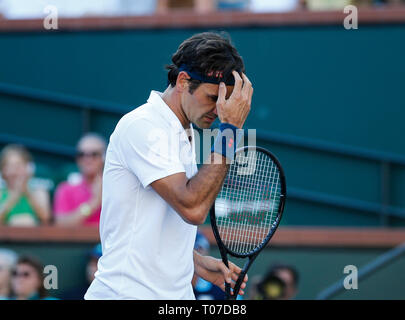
[150, 152]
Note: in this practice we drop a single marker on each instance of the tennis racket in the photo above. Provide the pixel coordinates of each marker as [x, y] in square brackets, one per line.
[248, 209]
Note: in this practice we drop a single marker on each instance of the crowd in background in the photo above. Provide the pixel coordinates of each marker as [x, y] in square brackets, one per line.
[76, 201]
[27, 9]
[22, 278]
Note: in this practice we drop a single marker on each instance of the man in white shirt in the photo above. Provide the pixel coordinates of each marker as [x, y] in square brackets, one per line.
[153, 195]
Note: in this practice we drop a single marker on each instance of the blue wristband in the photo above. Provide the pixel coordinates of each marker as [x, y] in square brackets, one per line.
[227, 140]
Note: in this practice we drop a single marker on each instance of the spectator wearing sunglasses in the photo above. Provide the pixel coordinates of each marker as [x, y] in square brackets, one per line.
[79, 202]
[28, 280]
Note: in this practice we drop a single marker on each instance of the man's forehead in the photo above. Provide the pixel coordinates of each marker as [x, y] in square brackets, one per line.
[213, 89]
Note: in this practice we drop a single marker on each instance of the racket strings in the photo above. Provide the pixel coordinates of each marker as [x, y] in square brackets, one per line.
[247, 204]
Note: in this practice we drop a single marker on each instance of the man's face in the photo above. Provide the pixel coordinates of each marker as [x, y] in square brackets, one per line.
[200, 106]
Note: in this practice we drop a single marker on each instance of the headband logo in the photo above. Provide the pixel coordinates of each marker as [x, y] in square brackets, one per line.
[215, 74]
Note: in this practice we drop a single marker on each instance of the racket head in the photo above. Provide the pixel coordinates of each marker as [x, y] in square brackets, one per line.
[250, 204]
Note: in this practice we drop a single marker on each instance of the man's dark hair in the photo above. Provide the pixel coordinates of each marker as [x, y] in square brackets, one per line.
[204, 53]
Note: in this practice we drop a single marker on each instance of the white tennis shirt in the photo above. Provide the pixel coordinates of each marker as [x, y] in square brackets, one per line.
[147, 247]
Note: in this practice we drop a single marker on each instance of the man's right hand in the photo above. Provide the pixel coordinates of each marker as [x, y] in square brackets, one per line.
[235, 109]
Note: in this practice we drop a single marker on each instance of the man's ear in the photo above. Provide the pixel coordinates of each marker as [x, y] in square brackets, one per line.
[182, 81]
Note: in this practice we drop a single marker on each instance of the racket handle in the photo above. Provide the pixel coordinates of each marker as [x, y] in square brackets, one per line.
[238, 284]
[241, 277]
[228, 295]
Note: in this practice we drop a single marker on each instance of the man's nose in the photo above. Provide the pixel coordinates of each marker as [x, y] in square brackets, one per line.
[215, 111]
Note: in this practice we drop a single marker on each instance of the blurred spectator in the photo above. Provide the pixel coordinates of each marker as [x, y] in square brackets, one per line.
[28, 280]
[259, 6]
[280, 283]
[204, 290]
[34, 9]
[233, 5]
[78, 201]
[8, 259]
[323, 5]
[200, 6]
[91, 268]
[20, 204]
[137, 7]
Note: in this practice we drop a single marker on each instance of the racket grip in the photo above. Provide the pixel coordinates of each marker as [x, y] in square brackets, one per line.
[228, 294]
[241, 277]
[238, 284]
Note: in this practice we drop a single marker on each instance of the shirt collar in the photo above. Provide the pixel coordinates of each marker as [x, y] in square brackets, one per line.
[155, 99]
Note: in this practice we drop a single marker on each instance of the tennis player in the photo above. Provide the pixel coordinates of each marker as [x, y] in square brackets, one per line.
[153, 195]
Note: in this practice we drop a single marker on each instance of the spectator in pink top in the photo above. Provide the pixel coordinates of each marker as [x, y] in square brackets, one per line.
[78, 201]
